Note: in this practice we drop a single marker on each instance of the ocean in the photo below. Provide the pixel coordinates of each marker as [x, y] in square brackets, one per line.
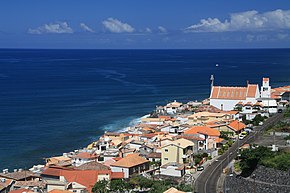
[55, 101]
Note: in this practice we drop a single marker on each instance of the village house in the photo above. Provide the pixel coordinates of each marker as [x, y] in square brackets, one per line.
[109, 154]
[35, 186]
[281, 94]
[5, 185]
[180, 151]
[173, 107]
[63, 160]
[84, 157]
[173, 169]
[173, 190]
[131, 164]
[154, 157]
[77, 180]
[201, 118]
[19, 175]
[208, 135]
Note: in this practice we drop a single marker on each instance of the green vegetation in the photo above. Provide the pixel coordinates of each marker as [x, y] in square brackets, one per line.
[197, 158]
[101, 187]
[226, 134]
[258, 118]
[281, 126]
[279, 161]
[138, 182]
[287, 113]
[225, 147]
[237, 166]
[238, 108]
[287, 137]
[250, 158]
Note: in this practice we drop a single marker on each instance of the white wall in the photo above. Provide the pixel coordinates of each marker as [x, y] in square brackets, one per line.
[119, 169]
[170, 171]
[227, 104]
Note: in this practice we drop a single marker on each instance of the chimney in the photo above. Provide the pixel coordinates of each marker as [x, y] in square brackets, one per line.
[247, 82]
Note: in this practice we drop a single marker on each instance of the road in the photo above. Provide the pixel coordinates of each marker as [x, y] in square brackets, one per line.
[207, 180]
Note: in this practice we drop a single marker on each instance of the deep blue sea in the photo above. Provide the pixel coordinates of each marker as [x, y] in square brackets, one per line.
[54, 101]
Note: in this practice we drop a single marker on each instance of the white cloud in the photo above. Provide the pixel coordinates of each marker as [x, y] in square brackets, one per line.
[148, 30]
[58, 27]
[86, 28]
[116, 26]
[245, 21]
[162, 29]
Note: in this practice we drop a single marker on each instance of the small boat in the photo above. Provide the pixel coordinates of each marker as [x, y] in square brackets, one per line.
[217, 65]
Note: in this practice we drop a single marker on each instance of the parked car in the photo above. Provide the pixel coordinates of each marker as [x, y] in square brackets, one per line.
[243, 135]
[200, 168]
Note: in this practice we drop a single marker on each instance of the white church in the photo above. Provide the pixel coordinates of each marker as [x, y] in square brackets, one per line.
[225, 97]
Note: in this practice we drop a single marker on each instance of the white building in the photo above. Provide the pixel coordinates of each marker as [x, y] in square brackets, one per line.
[173, 107]
[269, 104]
[225, 98]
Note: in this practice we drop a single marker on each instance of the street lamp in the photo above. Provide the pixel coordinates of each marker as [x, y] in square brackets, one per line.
[254, 177]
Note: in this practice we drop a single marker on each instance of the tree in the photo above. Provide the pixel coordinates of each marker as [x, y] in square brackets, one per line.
[119, 185]
[101, 187]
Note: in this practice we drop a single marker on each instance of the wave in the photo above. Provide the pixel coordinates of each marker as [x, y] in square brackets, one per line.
[122, 125]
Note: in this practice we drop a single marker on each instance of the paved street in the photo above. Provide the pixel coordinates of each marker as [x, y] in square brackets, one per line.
[207, 180]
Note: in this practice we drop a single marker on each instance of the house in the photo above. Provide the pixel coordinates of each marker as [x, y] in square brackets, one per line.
[172, 169]
[173, 190]
[154, 157]
[236, 127]
[36, 186]
[179, 151]
[281, 93]
[146, 149]
[109, 154]
[74, 179]
[93, 166]
[208, 134]
[225, 98]
[19, 175]
[131, 164]
[204, 117]
[22, 190]
[59, 191]
[58, 161]
[5, 185]
[84, 157]
[173, 107]
[135, 144]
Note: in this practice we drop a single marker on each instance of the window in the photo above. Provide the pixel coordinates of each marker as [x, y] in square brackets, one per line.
[165, 158]
[166, 150]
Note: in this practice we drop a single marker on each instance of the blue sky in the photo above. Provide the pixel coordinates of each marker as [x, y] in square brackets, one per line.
[144, 24]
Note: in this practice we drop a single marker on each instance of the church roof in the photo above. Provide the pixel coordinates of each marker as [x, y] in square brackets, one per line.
[234, 93]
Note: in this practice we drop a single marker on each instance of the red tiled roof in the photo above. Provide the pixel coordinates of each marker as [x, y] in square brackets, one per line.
[21, 190]
[59, 191]
[236, 125]
[130, 161]
[234, 93]
[86, 178]
[203, 130]
[51, 171]
[86, 155]
[117, 175]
